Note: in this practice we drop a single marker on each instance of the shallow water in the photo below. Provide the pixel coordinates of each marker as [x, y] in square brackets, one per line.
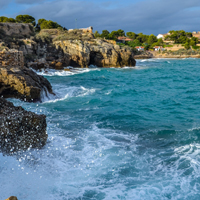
[117, 133]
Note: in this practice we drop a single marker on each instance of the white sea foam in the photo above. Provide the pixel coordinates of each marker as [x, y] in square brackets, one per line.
[67, 167]
[102, 162]
[65, 93]
[193, 129]
[52, 72]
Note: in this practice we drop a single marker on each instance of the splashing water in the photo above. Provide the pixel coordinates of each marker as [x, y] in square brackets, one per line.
[127, 133]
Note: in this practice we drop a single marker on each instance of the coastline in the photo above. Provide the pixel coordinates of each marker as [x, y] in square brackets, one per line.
[156, 55]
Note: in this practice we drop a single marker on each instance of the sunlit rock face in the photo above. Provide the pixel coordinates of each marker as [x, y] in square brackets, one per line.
[20, 129]
[22, 83]
[95, 52]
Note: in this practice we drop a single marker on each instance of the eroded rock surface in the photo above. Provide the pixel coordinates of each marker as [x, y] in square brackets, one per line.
[20, 129]
[95, 52]
[22, 83]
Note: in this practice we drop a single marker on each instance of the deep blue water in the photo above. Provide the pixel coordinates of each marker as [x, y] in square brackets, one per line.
[117, 133]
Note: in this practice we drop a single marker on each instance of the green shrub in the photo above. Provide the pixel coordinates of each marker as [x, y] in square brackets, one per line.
[72, 35]
[43, 37]
[195, 47]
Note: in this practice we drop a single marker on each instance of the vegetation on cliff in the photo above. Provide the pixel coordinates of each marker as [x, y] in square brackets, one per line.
[149, 41]
[42, 23]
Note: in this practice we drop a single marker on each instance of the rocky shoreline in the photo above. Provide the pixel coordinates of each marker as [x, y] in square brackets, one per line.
[19, 54]
[148, 55]
[175, 56]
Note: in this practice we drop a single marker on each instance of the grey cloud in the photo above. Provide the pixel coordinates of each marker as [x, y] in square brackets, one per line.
[149, 16]
[4, 3]
[29, 1]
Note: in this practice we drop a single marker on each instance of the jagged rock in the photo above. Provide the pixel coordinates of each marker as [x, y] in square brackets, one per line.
[20, 129]
[95, 52]
[22, 83]
[76, 48]
[58, 65]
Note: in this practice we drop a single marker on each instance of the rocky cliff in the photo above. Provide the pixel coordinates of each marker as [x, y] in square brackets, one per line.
[16, 29]
[58, 49]
[95, 52]
[17, 81]
[11, 58]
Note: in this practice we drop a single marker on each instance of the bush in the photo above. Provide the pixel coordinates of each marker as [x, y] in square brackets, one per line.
[45, 24]
[43, 37]
[195, 47]
[72, 35]
[25, 19]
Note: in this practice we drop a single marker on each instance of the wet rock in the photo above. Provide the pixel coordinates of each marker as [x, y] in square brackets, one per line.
[59, 66]
[22, 83]
[20, 129]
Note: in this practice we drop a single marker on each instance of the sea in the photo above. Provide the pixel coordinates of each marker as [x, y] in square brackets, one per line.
[129, 133]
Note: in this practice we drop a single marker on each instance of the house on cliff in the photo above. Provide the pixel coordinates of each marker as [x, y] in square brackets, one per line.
[140, 48]
[157, 48]
[123, 39]
[196, 34]
[84, 30]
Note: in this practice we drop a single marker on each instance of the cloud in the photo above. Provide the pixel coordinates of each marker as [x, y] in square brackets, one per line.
[147, 16]
[29, 1]
[3, 3]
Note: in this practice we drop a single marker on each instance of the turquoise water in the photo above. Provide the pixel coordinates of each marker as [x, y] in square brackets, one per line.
[128, 133]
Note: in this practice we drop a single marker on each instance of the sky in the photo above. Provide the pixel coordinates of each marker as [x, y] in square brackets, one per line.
[146, 16]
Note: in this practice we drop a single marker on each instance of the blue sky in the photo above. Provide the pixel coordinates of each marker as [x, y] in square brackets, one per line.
[147, 16]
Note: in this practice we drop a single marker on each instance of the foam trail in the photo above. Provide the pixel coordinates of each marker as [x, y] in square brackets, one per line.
[52, 72]
[66, 93]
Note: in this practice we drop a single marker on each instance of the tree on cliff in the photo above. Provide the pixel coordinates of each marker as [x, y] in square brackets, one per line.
[45, 24]
[131, 35]
[152, 39]
[25, 19]
[142, 38]
[180, 37]
[115, 34]
[105, 34]
[6, 19]
[134, 43]
[121, 32]
[97, 34]
[40, 21]
[187, 45]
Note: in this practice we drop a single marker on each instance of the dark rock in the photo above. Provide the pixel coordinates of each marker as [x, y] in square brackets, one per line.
[20, 129]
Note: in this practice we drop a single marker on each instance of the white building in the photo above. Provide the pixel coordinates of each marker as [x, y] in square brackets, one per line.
[157, 48]
[162, 35]
[140, 48]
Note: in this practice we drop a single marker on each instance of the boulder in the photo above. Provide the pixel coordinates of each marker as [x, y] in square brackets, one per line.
[22, 83]
[20, 129]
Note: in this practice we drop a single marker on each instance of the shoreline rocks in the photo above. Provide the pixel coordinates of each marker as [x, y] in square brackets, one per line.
[20, 129]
